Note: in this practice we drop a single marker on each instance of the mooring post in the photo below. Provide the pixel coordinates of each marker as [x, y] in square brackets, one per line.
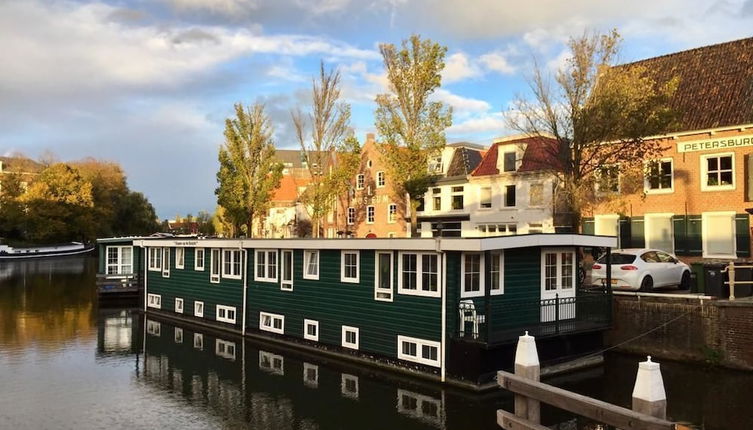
[731, 276]
[649, 396]
[527, 366]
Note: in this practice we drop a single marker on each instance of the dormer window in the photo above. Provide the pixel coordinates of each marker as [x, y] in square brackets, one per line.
[509, 161]
[435, 165]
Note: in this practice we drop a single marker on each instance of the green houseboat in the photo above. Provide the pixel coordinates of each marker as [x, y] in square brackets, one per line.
[446, 308]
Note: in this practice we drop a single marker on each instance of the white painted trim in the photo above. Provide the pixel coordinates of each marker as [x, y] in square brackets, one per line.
[704, 171]
[182, 260]
[119, 264]
[443, 348]
[178, 335]
[232, 252]
[166, 262]
[245, 297]
[346, 344]
[156, 251]
[384, 179]
[419, 358]
[705, 225]
[196, 266]
[419, 291]
[266, 252]
[273, 317]
[287, 285]
[226, 318]
[196, 311]
[179, 309]
[482, 270]
[501, 290]
[306, 254]
[306, 335]
[214, 278]
[154, 301]
[377, 279]
[198, 341]
[153, 328]
[222, 348]
[343, 278]
[646, 186]
[373, 211]
[312, 383]
[558, 289]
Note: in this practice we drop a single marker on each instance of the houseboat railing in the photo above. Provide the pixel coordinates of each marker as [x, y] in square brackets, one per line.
[588, 310]
[122, 283]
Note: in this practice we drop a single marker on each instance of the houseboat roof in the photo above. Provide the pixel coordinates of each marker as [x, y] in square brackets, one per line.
[401, 244]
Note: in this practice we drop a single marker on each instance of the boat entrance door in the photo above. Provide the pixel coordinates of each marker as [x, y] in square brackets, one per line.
[557, 282]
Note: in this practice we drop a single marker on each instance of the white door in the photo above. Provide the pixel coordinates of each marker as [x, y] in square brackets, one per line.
[557, 281]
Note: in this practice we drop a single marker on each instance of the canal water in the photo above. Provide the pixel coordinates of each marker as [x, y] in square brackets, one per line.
[66, 363]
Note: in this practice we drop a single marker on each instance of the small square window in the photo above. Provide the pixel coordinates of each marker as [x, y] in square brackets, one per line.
[350, 337]
[311, 330]
[198, 309]
[179, 306]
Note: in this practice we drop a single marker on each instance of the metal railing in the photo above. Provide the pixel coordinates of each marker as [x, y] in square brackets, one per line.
[118, 283]
[730, 269]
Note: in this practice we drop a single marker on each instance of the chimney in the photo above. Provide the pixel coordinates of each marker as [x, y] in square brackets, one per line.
[370, 137]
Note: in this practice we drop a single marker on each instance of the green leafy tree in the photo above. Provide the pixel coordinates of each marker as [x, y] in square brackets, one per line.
[135, 216]
[411, 126]
[330, 151]
[12, 209]
[248, 173]
[598, 116]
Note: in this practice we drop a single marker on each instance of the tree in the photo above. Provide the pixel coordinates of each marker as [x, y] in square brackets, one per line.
[12, 210]
[220, 223]
[411, 126]
[135, 216]
[109, 194]
[598, 116]
[248, 172]
[331, 153]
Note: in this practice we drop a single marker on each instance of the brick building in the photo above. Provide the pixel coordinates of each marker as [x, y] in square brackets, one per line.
[697, 196]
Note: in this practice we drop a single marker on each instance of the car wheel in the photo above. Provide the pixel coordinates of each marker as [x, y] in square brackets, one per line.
[685, 281]
[647, 284]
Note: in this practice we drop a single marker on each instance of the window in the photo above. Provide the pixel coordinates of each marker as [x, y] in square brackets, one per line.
[311, 330]
[226, 314]
[225, 349]
[536, 195]
[509, 161]
[310, 375]
[510, 196]
[286, 272]
[419, 274]
[497, 273]
[154, 301]
[423, 408]
[271, 363]
[154, 328]
[178, 335]
[351, 216]
[311, 265]
[369, 164]
[266, 265]
[180, 257]
[437, 193]
[179, 305]
[498, 229]
[119, 260]
[457, 198]
[658, 231]
[383, 278]
[659, 176]
[418, 350]
[608, 179]
[198, 262]
[198, 309]
[369, 214]
[165, 262]
[421, 204]
[214, 266]
[718, 172]
[558, 270]
[272, 322]
[231, 263]
[155, 259]
[472, 283]
[392, 213]
[360, 181]
[198, 341]
[350, 337]
[719, 234]
[380, 179]
[435, 164]
[349, 266]
[485, 197]
[349, 386]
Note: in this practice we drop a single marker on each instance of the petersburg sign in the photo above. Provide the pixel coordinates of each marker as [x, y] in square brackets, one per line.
[716, 143]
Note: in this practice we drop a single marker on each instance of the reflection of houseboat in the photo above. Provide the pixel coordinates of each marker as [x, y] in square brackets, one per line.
[73, 248]
[451, 308]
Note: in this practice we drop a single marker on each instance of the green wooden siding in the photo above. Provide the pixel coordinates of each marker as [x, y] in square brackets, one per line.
[192, 285]
[334, 304]
[138, 260]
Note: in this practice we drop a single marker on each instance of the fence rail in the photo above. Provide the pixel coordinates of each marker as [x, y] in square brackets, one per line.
[114, 284]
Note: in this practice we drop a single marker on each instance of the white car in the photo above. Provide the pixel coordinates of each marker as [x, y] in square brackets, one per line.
[642, 269]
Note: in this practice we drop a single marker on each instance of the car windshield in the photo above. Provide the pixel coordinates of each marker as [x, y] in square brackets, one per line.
[617, 258]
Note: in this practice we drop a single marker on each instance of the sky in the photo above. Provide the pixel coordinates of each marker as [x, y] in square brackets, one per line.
[149, 83]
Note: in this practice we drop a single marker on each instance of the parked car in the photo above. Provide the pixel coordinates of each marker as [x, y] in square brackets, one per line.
[642, 269]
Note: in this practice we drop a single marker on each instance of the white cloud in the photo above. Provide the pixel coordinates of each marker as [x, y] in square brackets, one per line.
[458, 67]
[497, 61]
[224, 7]
[460, 104]
[488, 123]
[320, 7]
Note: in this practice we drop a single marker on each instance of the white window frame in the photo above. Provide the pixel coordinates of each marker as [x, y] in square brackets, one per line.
[166, 262]
[419, 291]
[370, 214]
[481, 198]
[344, 378]
[482, 282]
[198, 309]
[196, 259]
[377, 279]
[198, 341]
[381, 181]
[559, 289]
[155, 259]
[154, 301]
[267, 253]
[516, 165]
[268, 362]
[343, 278]
[419, 358]
[501, 289]
[287, 285]
[118, 265]
[704, 172]
[272, 317]
[215, 264]
[648, 223]
[221, 349]
[178, 335]
[226, 310]
[307, 253]
[306, 335]
[646, 180]
[233, 254]
[360, 181]
[705, 225]
[180, 257]
[179, 305]
[391, 213]
[153, 328]
[345, 343]
[598, 176]
[504, 196]
[455, 193]
[351, 216]
[312, 383]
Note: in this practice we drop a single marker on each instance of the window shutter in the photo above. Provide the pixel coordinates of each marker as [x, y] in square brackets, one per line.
[588, 226]
[679, 225]
[637, 235]
[748, 175]
[742, 233]
[693, 237]
[624, 230]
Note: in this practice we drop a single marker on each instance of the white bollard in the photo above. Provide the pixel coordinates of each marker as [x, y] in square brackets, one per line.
[527, 365]
[649, 396]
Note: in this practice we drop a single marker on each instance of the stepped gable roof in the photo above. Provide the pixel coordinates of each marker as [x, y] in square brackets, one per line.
[538, 155]
[715, 87]
[464, 161]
